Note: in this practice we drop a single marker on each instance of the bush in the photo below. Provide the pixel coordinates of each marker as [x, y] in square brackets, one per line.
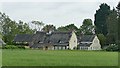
[13, 47]
[21, 47]
[112, 47]
[102, 39]
[10, 47]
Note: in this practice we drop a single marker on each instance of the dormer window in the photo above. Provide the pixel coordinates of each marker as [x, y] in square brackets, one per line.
[60, 41]
[49, 41]
[40, 42]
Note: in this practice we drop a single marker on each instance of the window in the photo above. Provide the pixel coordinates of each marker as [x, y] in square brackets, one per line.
[55, 47]
[59, 41]
[59, 47]
[63, 48]
[91, 48]
[49, 41]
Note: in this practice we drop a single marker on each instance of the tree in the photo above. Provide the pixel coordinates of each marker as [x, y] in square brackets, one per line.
[102, 39]
[38, 24]
[100, 19]
[62, 28]
[24, 28]
[112, 27]
[87, 27]
[118, 11]
[11, 28]
[69, 27]
[48, 28]
[118, 6]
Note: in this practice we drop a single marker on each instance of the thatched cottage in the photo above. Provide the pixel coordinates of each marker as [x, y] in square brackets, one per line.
[88, 42]
[58, 41]
[48, 41]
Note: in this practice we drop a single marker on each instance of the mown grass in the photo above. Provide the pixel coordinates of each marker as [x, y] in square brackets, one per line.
[58, 58]
[0, 57]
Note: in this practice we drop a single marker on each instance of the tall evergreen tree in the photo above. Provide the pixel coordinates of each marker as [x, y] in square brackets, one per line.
[112, 27]
[118, 8]
[100, 19]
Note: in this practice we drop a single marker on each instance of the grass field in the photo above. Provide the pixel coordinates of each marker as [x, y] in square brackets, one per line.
[58, 58]
[0, 58]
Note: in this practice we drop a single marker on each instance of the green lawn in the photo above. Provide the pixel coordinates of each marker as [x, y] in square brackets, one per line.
[58, 58]
[0, 57]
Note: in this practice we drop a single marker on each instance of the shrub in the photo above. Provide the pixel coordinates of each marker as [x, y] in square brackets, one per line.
[21, 47]
[112, 47]
[13, 47]
[10, 47]
[102, 39]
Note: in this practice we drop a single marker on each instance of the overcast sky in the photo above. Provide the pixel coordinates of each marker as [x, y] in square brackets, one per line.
[57, 13]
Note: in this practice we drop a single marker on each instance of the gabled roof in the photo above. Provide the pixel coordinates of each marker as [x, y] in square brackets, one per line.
[86, 38]
[39, 37]
[23, 38]
[60, 37]
[43, 37]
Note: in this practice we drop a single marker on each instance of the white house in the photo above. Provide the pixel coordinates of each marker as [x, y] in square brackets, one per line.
[89, 42]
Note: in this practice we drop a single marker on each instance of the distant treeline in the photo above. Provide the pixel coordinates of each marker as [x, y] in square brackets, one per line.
[106, 26]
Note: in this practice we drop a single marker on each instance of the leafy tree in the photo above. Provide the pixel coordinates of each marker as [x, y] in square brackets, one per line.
[48, 28]
[87, 27]
[38, 24]
[11, 28]
[62, 28]
[100, 19]
[24, 28]
[69, 27]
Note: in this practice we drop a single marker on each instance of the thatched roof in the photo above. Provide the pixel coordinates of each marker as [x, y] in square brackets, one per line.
[43, 37]
[86, 40]
[60, 37]
[39, 37]
[23, 38]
